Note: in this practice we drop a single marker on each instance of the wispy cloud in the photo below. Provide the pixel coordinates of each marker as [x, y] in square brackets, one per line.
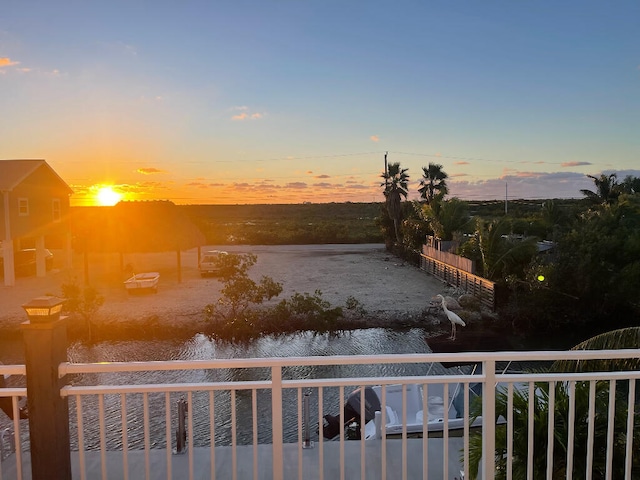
[296, 185]
[150, 171]
[322, 176]
[246, 114]
[7, 62]
[374, 138]
[574, 164]
[461, 163]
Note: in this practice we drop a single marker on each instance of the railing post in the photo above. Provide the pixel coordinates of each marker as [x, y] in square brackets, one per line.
[181, 430]
[489, 419]
[45, 349]
[306, 426]
[276, 416]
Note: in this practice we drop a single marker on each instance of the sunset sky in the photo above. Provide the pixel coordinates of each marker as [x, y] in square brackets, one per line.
[290, 101]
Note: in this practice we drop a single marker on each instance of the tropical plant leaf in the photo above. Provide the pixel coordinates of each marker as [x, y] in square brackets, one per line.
[624, 338]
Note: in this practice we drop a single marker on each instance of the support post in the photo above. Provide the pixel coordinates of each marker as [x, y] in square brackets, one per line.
[276, 415]
[489, 419]
[45, 348]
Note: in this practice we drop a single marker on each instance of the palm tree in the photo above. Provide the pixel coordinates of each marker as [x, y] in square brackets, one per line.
[433, 184]
[563, 397]
[630, 184]
[607, 189]
[396, 185]
[500, 255]
[559, 409]
[446, 217]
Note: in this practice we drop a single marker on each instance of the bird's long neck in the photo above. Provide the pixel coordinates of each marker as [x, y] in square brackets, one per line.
[444, 305]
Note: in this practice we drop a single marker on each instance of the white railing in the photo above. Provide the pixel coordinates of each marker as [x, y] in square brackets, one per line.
[245, 415]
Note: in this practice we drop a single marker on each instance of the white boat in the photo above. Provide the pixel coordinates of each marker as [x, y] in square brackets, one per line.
[143, 281]
[441, 414]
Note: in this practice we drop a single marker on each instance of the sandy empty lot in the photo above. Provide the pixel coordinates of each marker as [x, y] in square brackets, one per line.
[384, 284]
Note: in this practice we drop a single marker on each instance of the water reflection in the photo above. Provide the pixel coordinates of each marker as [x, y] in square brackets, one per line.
[218, 404]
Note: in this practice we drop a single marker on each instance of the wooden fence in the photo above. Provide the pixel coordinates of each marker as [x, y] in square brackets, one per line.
[477, 286]
[465, 264]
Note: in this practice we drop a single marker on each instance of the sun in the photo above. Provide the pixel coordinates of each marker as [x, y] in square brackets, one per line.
[107, 197]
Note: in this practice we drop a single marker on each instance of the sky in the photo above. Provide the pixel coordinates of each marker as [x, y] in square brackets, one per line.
[287, 101]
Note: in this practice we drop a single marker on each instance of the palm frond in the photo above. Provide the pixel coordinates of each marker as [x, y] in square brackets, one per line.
[624, 338]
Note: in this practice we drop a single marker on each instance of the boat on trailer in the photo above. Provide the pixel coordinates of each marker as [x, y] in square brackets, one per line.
[141, 282]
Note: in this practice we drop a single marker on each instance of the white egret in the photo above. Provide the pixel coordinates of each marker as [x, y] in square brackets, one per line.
[453, 318]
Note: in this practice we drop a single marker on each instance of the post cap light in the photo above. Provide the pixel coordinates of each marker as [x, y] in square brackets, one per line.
[44, 309]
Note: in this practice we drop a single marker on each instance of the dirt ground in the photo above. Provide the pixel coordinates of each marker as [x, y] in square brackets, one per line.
[387, 287]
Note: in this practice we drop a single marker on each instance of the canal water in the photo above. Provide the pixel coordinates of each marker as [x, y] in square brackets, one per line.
[201, 347]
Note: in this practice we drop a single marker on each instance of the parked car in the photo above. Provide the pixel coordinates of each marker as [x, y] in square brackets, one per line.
[25, 261]
[209, 264]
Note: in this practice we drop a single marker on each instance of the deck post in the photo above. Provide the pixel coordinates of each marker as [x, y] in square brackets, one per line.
[489, 416]
[276, 415]
[45, 348]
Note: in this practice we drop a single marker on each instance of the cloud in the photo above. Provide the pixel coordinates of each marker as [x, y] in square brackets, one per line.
[528, 174]
[532, 185]
[374, 138]
[7, 62]
[150, 171]
[461, 163]
[322, 176]
[296, 185]
[245, 114]
[574, 164]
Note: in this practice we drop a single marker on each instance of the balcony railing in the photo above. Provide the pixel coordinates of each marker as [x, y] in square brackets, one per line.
[249, 418]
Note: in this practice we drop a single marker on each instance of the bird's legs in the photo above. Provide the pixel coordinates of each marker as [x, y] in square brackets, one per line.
[453, 331]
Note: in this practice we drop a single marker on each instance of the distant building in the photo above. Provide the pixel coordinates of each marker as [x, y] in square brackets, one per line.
[34, 211]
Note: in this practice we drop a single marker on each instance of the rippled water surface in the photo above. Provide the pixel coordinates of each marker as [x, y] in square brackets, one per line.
[200, 347]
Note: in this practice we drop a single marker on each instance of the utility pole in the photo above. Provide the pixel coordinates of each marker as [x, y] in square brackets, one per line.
[386, 171]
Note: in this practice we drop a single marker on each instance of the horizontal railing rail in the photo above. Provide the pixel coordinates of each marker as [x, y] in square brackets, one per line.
[239, 416]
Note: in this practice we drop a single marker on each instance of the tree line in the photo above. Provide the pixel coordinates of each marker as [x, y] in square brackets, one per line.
[561, 265]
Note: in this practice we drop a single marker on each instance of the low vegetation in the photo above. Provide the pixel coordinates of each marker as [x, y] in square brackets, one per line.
[240, 314]
[82, 301]
[301, 224]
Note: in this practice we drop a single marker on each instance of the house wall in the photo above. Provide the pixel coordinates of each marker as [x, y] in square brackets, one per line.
[39, 189]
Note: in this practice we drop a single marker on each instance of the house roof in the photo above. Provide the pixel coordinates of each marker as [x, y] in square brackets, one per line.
[14, 172]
